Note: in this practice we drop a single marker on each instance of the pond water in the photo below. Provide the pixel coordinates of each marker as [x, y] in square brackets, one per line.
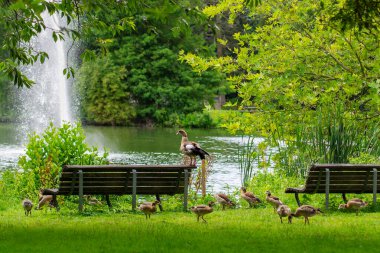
[148, 146]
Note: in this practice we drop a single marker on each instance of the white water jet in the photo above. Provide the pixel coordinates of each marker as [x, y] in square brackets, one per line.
[48, 100]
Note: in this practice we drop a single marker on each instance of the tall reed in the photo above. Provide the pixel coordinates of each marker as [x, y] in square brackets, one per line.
[247, 155]
[332, 138]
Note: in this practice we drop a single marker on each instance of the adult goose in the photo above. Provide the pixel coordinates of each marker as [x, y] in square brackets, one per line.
[354, 204]
[191, 149]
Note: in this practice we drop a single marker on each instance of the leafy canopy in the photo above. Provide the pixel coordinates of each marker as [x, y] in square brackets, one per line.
[22, 20]
[300, 59]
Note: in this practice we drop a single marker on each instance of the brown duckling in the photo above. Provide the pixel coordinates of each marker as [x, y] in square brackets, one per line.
[27, 204]
[223, 200]
[306, 211]
[284, 211]
[149, 208]
[202, 210]
[249, 197]
[355, 204]
[92, 200]
[273, 200]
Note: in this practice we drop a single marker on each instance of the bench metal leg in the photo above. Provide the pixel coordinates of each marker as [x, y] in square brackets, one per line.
[327, 187]
[297, 199]
[134, 186]
[374, 187]
[159, 205]
[54, 203]
[80, 191]
[185, 193]
[108, 201]
[344, 198]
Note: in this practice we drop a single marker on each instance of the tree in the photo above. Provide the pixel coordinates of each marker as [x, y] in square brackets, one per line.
[301, 59]
[22, 20]
[152, 80]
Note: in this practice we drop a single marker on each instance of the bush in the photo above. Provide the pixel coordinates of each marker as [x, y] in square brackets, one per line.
[45, 156]
[197, 119]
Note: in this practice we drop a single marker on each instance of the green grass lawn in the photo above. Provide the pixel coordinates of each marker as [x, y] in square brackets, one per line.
[239, 230]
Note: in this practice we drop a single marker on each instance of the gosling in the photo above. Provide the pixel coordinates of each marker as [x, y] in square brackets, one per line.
[149, 208]
[202, 210]
[27, 204]
[355, 204]
[92, 201]
[249, 197]
[223, 200]
[306, 211]
[273, 200]
[284, 211]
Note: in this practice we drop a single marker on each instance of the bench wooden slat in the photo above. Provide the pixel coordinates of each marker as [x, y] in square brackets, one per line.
[120, 180]
[340, 173]
[122, 183]
[340, 166]
[122, 190]
[122, 174]
[121, 168]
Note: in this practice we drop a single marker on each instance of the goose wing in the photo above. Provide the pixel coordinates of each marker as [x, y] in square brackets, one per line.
[223, 196]
[250, 195]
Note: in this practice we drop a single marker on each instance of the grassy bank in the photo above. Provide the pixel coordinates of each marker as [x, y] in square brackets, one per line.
[239, 230]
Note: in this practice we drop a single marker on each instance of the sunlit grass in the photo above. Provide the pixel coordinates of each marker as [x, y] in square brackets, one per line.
[233, 230]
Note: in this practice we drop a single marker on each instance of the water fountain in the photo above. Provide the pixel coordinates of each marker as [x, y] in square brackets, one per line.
[48, 100]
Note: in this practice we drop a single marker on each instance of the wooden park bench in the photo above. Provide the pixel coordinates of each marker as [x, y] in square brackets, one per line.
[121, 180]
[340, 178]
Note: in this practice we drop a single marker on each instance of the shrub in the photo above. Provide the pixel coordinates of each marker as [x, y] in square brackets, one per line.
[197, 120]
[48, 152]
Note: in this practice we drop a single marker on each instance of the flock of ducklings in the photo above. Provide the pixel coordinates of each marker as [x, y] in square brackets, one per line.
[282, 210]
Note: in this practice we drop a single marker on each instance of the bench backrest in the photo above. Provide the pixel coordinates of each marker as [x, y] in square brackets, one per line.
[344, 178]
[118, 179]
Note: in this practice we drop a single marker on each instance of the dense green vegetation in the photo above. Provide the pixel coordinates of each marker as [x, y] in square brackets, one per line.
[45, 155]
[130, 73]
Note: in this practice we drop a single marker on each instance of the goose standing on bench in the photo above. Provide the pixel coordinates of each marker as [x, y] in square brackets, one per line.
[191, 149]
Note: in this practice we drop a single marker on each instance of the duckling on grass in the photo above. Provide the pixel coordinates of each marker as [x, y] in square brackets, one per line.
[27, 204]
[273, 200]
[223, 200]
[249, 197]
[284, 211]
[202, 210]
[306, 211]
[148, 208]
[354, 204]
